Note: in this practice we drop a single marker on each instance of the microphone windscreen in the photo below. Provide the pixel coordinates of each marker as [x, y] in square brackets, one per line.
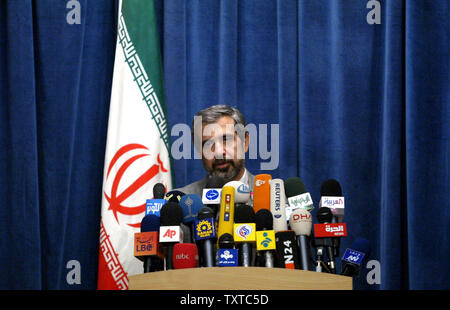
[190, 204]
[294, 186]
[185, 255]
[205, 213]
[158, 191]
[215, 182]
[264, 220]
[324, 215]
[244, 214]
[301, 222]
[241, 191]
[261, 192]
[150, 222]
[174, 196]
[278, 204]
[171, 214]
[187, 236]
[226, 241]
[331, 187]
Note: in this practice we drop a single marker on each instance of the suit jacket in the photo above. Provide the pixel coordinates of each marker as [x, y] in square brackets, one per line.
[198, 186]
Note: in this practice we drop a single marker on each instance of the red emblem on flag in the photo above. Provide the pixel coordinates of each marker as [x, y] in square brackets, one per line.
[116, 199]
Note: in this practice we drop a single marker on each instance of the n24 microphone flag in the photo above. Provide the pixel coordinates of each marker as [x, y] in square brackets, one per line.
[137, 148]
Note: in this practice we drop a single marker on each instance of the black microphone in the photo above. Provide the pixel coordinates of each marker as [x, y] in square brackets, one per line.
[146, 246]
[158, 191]
[212, 192]
[265, 238]
[174, 196]
[205, 233]
[301, 222]
[331, 195]
[355, 256]
[287, 250]
[171, 216]
[244, 229]
[325, 216]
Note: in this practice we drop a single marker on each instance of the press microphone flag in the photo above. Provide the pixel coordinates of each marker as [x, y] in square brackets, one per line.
[301, 223]
[146, 245]
[265, 237]
[287, 250]
[185, 255]
[355, 256]
[261, 192]
[226, 216]
[297, 196]
[170, 230]
[212, 192]
[244, 233]
[241, 192]
[278, 204]
[205, 232]
[332, 198]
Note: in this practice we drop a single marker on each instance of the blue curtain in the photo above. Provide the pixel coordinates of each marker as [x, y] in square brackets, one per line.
[364, 104]
[55, 84]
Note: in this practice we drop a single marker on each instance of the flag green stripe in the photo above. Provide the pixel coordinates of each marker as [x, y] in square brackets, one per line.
[142, 52]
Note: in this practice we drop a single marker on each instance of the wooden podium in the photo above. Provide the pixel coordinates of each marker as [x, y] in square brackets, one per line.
[239, 278]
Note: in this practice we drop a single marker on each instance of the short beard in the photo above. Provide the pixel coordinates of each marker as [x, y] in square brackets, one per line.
[230, 173]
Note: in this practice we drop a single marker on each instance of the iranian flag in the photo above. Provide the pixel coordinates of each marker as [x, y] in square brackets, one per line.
[137, 148]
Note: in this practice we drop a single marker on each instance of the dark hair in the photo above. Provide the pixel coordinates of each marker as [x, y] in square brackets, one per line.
[213, 113]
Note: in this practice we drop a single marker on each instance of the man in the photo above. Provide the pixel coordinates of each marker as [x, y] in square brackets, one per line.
[219, 136]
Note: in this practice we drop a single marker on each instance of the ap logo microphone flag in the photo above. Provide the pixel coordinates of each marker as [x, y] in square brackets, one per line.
[137, 148]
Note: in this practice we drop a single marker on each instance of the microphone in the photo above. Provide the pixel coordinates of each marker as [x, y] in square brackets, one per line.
[158, 191]
[212, 192]
[205, 232]
[261, 192]
[301, 222]
[170, 231]
[324, 216]
[331, 197]
[354, 257]
[146, 246]
[287, 250]
[265, 237]
[277, 205]
[227, 256]
[190, 204]
[155, 204]
[185, 255]
[174, 196]
[244, 233]
[241, 192]
[297, 196]
[226, 215]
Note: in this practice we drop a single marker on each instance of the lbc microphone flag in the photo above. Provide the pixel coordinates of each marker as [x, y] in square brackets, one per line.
[137, 148]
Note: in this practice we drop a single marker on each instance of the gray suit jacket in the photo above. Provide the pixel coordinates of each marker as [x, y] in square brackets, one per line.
[198, 186]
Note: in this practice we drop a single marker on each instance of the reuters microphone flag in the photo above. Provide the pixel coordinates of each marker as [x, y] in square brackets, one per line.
[137, 148]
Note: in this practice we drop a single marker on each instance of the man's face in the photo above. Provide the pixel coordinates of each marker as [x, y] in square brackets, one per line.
[223, 151]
